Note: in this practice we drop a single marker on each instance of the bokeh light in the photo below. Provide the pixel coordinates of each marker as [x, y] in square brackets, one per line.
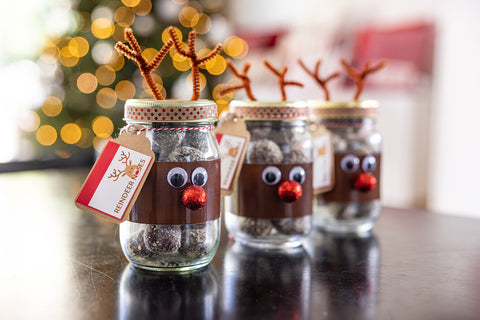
[125, 90]
[103, 52]
[66, 57]
[143, 8]
[188, 17]
[204, 24]
[86, 139]
[105, 75]
[124, 16]
[166, 36]
[70, 133]
[50, 53]
[235, 47]
[102, 28]
[106, 98]
[117, 61]
[87, 82]
[46, 135]
[102, 126]
[149, 54]
[29, 121]
[180, 2]
[131, 3]
[99, 143]
[217, 65]
[78, 47]
[52, 106]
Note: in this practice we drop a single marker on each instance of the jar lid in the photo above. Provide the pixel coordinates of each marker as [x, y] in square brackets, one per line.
[280, 110]
[342, 110]
[148, 110]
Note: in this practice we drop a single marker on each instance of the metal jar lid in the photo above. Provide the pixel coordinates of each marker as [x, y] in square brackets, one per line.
[148, 110]
[343, 110]
[281, 110]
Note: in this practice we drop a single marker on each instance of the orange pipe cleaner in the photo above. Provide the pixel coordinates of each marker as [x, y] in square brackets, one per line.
[281, 79]
[359, 76]
[315, 75]
[242, 76]
[195, 62]
[135, 54]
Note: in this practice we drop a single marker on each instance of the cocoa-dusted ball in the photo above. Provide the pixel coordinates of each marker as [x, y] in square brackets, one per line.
[136, 245]
[256, 227]
[264, 151]
[195, 243]
[292, 226]
[186, 154]
[162, 238]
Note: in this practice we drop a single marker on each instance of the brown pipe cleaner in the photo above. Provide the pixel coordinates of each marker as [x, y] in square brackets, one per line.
[242, 76]
[195, 62]
[359, 76]
[281, 79]
[315, 75]
[135, 54]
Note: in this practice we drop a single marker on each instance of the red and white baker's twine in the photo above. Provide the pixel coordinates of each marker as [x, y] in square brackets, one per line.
[178, 129]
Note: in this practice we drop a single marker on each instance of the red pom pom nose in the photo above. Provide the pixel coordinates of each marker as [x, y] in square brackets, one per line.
[289, 191]
[194, 197]
[365, 182]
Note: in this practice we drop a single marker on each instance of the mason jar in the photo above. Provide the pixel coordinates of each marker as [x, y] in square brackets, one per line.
[353, 204]
[271, 205]
[174, 224]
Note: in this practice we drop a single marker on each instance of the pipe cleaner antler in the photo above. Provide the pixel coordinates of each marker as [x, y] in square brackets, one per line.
[135, 54]
[281, 79]
[315, 75]
[195, 62]
[359, 76]
[242, 76]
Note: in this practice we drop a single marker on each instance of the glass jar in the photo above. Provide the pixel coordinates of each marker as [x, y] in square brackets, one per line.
[174, 224]
[353, 204]
[271, 206]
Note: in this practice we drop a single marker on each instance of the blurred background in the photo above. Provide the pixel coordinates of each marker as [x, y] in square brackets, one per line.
[63, 86]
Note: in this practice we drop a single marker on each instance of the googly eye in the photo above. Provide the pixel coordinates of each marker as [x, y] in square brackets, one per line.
[177, 177]
[350, 163]
[369, 163]
[199, 176]
[271, 175]
[297, 174]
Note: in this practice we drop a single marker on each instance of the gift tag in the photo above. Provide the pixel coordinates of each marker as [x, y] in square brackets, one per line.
[323, 169]
[113, 184]
[232, 137]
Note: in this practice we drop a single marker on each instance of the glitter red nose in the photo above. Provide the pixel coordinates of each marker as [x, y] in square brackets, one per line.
[194, 197]
[289, 191]
[365, 182]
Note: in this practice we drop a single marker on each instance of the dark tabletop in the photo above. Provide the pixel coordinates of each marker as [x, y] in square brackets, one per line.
[60, 263]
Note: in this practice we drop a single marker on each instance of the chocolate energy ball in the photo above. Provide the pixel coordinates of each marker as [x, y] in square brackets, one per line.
[162, 238]
[186, 154]
[194, 241]
[260, 133]
[264, 151]
[197, 139]
[292, 226]
[136, 245]
[297, 156]
[256, 227]
[164, 142]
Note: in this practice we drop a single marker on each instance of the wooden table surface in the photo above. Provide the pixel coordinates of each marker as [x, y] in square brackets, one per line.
[60, 263]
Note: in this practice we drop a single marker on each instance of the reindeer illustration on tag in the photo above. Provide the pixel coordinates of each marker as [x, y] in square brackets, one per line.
[130, 170]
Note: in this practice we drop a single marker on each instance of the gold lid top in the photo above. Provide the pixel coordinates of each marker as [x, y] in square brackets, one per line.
[343, 109]
[278, 110]
[149, 110]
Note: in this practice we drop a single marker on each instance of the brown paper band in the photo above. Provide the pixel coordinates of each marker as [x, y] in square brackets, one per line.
[160, 203]
[258, 200]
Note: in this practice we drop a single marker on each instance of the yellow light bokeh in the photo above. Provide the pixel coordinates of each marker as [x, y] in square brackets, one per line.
[66, 57]
[204, 24]
[180, 2]
[221, 98]
[124, 16]
[117, 62]
[149, 54]
[46, 135]
[203, 80]
[222, 106]
[203, 53]
[50, 53]
[216, 66]
[125, 90]
[70, 133]
[87, 82]
[29, 121]
[105, 75]
[188, 17]
[78, 47]
[131, 3]
[166, 36]
[102, 28]
[99, 143]
[143, 8]
[106, 98]
[102, 126]
[86, 138]
[52, 106]
[235, 47]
